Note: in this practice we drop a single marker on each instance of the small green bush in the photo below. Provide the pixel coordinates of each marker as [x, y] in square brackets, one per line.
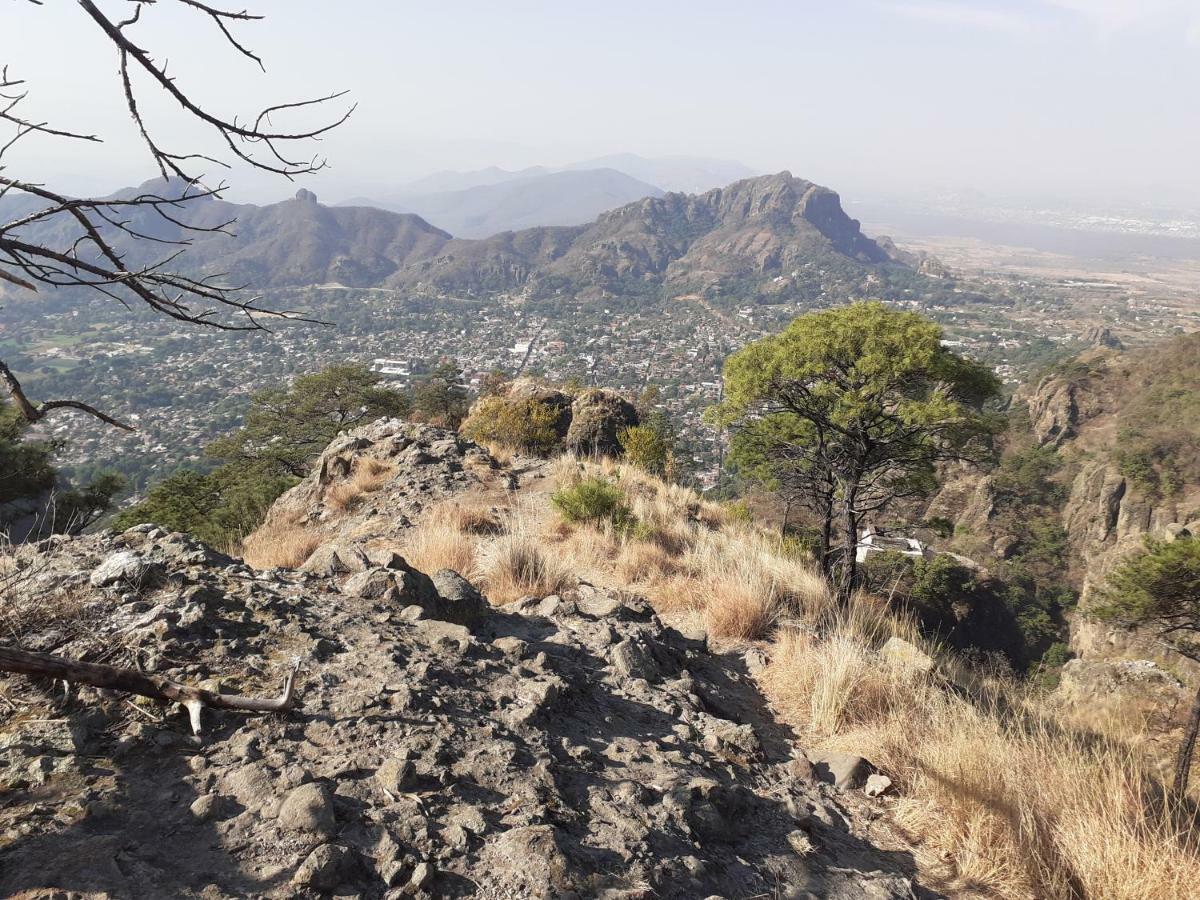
[527, 425]
[596, 502]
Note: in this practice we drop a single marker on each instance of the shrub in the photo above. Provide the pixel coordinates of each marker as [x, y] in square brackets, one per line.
[643, 447]
[527, 425]
[594, 501]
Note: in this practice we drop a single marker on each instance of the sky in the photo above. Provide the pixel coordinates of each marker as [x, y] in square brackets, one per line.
[1039, 99]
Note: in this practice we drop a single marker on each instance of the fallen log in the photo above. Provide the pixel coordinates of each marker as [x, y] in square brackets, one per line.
[116, 678]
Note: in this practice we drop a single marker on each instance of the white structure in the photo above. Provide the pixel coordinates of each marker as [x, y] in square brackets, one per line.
[872, 541]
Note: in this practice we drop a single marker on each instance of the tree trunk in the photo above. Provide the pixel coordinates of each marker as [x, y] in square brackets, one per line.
[848, 575]
[1183, 763]
[826, 536]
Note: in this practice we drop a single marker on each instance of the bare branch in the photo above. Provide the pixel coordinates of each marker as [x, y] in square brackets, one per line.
[193, 699]
[31, 413]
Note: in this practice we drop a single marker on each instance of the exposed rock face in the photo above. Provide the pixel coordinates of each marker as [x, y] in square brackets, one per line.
[418, 465]
[1053, 412]
[597, 417]
[562, 746]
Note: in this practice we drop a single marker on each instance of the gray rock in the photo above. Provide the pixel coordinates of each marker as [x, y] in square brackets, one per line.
[125, 569]
[395, 775]
[843, 770]
[458, 600]
[442, 634]
[877, 785]
[334, 559]
[370, 584]
[631, 660]
[324, 869]
[308, 809]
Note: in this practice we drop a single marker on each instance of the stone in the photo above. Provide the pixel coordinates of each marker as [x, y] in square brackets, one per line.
[387, 559]
[442, 634]
[458, 600]
[597, 417]
[323, 869]
[723, 736]
[206, 808]
[395, 775]
[842, 770]
[756, 660]
[631, 660]
[370, 584]
[877, 785]
[335, 559]
[308, 809]
[801, 769]
[125, 568]
[422, 876]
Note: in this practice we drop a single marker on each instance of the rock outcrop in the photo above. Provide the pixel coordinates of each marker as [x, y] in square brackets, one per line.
[587, 424]
[562, 746]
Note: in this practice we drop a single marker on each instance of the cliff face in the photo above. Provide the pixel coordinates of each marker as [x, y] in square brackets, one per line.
[1123, 426]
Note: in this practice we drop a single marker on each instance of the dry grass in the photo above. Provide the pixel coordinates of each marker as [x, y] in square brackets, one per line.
[1000, 797]
[343, 496]
[281, 545]
[371, 474]
[436, 544]
[517, 564]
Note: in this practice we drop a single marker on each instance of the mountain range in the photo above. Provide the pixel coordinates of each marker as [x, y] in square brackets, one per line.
[488, 201]
[756, 236]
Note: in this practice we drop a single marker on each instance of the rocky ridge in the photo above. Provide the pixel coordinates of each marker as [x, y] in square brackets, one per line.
[562, 746]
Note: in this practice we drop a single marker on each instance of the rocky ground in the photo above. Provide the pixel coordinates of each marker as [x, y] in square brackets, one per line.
[563, 746]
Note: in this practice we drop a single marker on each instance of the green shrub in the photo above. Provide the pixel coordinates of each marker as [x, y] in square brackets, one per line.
[596, 502]
[644, 447]
[527, 425]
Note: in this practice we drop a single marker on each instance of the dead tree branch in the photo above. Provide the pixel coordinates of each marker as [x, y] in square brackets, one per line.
[193, 699]
[35, 413]
[106, 244]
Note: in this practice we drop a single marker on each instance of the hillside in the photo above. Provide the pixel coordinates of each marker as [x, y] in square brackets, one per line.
[566, 744]
[677, 710]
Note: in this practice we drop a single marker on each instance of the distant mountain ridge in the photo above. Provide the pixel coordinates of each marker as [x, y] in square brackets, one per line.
[526, 201]
[755, 236]
[485, 202]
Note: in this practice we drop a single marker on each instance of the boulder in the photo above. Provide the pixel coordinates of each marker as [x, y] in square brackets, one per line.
[597, 417]
[125, 569]
[458, 600]
[324, 869]
[843, 770]
[308, 809]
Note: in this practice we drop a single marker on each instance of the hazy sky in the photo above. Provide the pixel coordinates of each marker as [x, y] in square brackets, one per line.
[1083, 98]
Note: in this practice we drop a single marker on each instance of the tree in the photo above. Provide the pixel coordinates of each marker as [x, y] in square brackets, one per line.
[286, 427]
[857, 406]
[1159, 590]
[651, 444]
[440, 398]
[528, 425]
[95, 237]
[27, 473]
